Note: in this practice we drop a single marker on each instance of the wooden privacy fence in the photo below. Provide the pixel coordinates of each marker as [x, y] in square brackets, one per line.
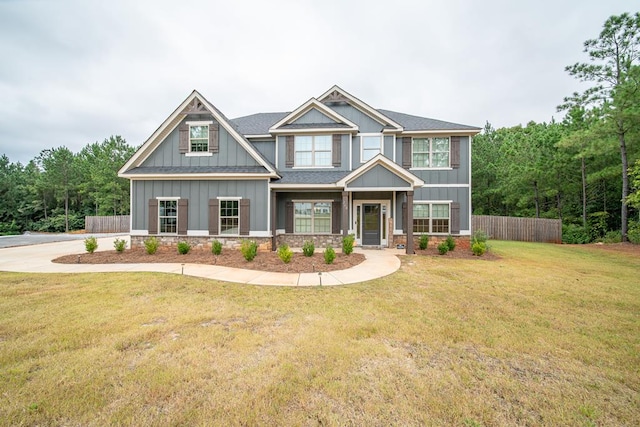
[106, 224]
[519, 229]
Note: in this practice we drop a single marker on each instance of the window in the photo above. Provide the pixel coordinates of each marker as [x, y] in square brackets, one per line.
[313, 150]
[312, 217]
[371, 146]
[199, 138]
[168, 216]
[430, 152]
[229, 217]
[431, 218]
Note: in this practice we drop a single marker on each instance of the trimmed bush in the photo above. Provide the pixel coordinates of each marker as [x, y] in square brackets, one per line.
[451, 243]
[347, 244]
[151, 245]
[329, 255]
[183, 248]
[479, 248]
[285, 253]
[91, 244]
[423, 242]
[120, 245]
[216, 247]
[249, 249]
[480, 236]
[308, 248]
[443, 248]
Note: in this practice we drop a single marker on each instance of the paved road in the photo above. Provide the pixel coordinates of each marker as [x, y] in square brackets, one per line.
[38, 238]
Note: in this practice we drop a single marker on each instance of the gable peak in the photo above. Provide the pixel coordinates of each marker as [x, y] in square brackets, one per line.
[195, 106]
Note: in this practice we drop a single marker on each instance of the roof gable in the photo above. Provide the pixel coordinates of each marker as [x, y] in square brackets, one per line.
[313, 115]
[389, 174]
[195, 103]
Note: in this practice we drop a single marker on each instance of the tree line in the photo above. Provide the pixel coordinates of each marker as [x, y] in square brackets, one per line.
[584, 169]
[55, 190]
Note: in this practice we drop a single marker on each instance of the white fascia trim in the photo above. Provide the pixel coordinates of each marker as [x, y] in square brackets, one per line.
[139, 233]
[435, 202]
[364, 107]
[167, 198]
[198, 233]
[196, 176]
[356, 189]
[130, 204]
[446, 186]
[309, 186]
[315, 131]
[431, 169]
[198, 154]
[259, 233]
[313, 167]
[313, 201]
[266, 135]
[470, 210]
[228, 198]
[312, 103]
[442, 132]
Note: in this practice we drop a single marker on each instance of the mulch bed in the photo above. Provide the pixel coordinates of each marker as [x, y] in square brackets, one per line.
[264, 261]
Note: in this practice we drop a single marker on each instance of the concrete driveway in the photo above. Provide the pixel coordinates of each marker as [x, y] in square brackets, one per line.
[39, 238]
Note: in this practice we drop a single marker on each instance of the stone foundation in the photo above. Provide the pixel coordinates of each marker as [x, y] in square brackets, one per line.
[204, 242]
[462, 242]
[319, 240]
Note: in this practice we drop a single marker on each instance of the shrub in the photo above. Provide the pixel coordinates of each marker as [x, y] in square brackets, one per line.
[183, 248]
[479, 248]
[329, 255]
[575, 234]
[120, 245]
[91, 244]
[443, 248]
[479, 236]
[308, 248]
[598, 224]
[151, 245]
[612, 237]
[634, 232]
[451, 243]
[285, 253]
[423, 242]
[347, 244]
[216, 247]
[249, 249]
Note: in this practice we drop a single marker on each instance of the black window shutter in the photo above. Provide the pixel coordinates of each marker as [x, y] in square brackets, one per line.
[244, 217]
[406, 152]
[455, 218]
[183, 145]
[335, 217]
[337, 150]
[214, 211]
[404, 217]
[290, 151]
[288, 218]
[153, 216]
[214, 137]
[455, 152]
[183, 216]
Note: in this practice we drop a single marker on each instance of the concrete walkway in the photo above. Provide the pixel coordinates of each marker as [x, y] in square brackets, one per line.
[37, 259]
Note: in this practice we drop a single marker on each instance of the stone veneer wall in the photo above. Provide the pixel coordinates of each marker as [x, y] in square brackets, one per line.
[264, 243]
[319, 240]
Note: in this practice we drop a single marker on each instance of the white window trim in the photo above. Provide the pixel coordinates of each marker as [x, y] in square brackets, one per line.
[431, 203]
[361, 135]
[313, 151]
[228, 199]
[199, 153]
[430, 138]
[168, 199]
[313, 202]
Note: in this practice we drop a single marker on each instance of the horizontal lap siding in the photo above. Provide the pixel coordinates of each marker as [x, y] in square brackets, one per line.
[519, 229]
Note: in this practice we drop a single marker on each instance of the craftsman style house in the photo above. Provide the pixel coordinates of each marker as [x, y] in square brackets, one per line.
[331, 167]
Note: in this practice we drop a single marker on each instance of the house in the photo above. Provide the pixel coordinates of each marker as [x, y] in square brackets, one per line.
[333, 166]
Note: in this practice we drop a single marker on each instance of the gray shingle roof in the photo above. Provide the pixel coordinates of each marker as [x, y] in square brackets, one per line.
[311, 177]
[315, 126]
[410, 122]
[257, 124]
[172, 170]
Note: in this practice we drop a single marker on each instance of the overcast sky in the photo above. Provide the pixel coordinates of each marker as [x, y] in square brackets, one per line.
[76, 72]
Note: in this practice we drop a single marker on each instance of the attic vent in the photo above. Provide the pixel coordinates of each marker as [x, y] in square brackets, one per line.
[335, 97]
[195, 106]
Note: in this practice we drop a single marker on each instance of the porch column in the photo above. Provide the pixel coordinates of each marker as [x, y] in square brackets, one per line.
[345, 213]
[409, 245]
[274, 221]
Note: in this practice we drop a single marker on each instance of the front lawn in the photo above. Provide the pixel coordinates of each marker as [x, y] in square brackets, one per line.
[546, 335]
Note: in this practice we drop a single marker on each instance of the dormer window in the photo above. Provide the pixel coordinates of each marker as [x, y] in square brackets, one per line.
[312, 151]
[198, 138]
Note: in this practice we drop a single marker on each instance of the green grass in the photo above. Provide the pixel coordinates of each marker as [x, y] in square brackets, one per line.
[548, 335]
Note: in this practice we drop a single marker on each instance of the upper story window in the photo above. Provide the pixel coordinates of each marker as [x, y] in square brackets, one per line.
[199, 138]
[431, 152]
[312, 150]
[168, 216]
[371, 146]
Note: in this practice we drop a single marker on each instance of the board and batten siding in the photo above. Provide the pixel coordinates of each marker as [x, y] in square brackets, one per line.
[365, 123]
[379, 177]
[230, 153]
[455, 194]
[198, 192]
[313, 116]
[267, 149]
[458, 175]
[345, 140]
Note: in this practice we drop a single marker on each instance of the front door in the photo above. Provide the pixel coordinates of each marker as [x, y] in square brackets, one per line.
[371, 224]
